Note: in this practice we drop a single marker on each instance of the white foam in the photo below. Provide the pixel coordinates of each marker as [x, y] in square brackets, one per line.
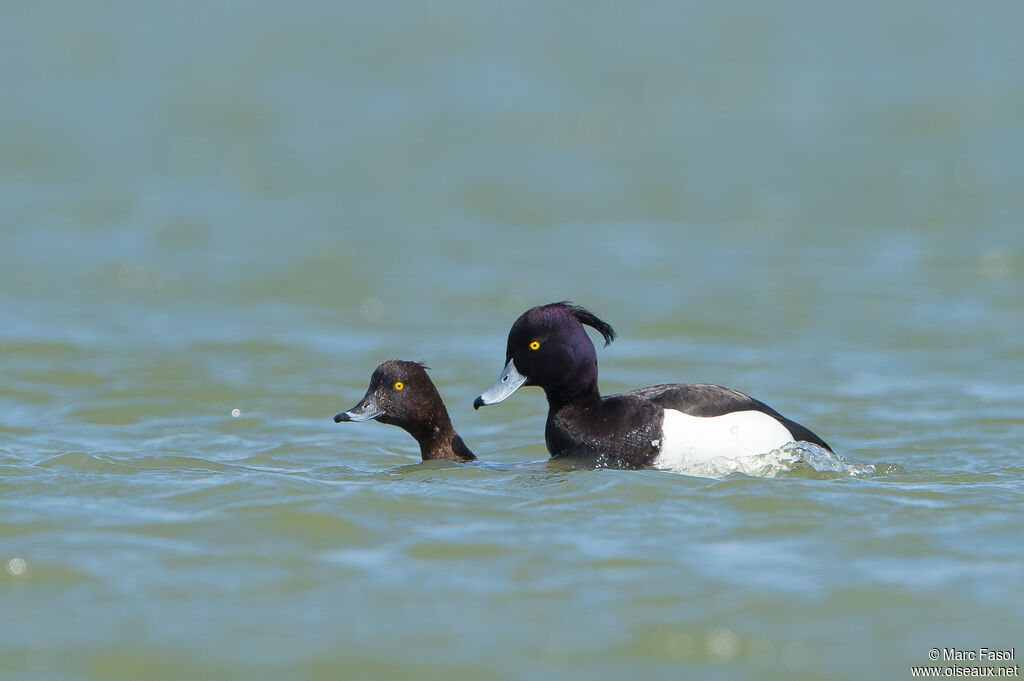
[773, 463]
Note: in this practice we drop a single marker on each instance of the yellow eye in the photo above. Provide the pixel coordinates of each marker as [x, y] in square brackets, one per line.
[534, 345]
[399, 385]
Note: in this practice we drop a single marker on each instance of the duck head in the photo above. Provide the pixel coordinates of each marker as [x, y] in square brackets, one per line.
[548, 347]
[401, 394]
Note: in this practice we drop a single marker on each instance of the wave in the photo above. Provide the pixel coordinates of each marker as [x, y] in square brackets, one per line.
[797, 458]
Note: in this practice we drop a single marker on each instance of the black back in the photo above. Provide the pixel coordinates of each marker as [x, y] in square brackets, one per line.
[701, 399]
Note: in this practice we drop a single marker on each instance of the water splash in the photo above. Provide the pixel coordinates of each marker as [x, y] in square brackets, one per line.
[792, 458]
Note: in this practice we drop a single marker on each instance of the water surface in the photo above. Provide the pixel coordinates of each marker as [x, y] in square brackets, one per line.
[215, 223]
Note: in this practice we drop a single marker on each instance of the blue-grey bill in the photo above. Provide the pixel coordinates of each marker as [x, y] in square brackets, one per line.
[364, 411]
[507, 383]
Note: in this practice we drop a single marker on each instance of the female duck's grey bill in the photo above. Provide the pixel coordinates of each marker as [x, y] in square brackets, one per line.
[364, 411]
[507, 383]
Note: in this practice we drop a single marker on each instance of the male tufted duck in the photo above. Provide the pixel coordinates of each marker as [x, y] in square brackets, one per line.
[401, 394]
[664, 425]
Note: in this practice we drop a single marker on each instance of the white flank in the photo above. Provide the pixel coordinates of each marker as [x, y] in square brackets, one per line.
[689, 440]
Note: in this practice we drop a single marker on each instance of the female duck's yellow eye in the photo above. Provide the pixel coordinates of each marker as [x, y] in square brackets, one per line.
[534, 345]
[399, 385]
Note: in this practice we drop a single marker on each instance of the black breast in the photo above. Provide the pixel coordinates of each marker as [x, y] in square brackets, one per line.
[621, 431]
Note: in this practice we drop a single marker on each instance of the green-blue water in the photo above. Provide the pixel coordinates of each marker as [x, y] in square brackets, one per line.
[217, 219]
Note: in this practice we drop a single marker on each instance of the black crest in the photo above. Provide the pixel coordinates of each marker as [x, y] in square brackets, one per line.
[587, 317]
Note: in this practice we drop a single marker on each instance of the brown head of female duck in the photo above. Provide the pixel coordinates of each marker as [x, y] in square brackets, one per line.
[402, 394]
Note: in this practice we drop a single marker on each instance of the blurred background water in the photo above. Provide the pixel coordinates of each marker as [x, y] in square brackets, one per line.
[216, 220]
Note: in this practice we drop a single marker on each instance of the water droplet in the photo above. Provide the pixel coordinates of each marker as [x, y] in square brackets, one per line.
[372, 309]
[132, 275]
[795, 655]
[723, 645]
[994, 265]
[170, 285]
